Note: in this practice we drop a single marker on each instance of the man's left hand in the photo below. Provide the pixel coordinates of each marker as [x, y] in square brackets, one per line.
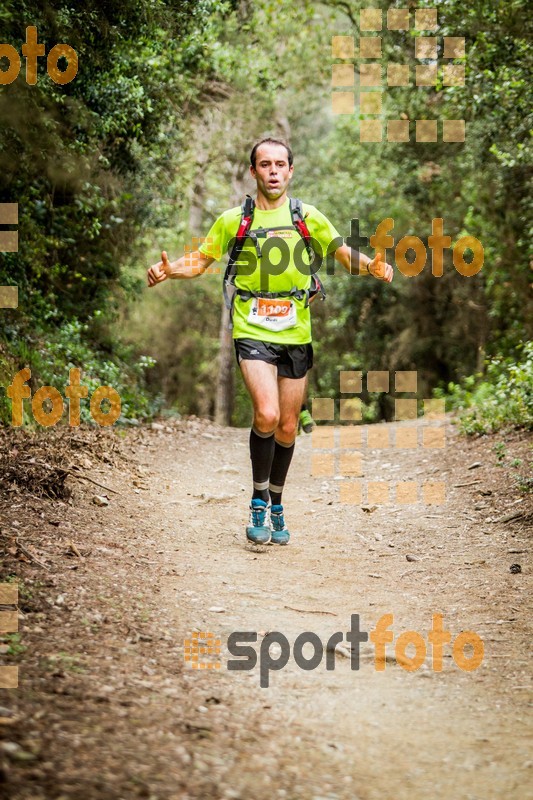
[380, 269]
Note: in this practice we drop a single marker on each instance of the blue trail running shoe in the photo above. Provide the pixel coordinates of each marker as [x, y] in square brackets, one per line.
[279, 531]
[258, 531]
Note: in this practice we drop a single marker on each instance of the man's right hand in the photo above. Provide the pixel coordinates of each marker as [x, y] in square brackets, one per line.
[159, 272]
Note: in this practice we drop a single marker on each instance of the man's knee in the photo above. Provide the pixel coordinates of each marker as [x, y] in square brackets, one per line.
[288, 427]
[266, 419]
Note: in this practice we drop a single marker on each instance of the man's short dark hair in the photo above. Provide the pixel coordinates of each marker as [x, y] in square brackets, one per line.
[270, 141]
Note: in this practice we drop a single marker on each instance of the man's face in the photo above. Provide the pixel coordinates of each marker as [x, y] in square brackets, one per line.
[272, 171]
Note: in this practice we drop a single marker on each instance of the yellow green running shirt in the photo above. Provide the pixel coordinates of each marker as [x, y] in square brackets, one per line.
[225, 229]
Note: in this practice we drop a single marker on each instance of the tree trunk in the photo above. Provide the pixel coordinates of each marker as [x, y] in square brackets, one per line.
[225, 384]
[196, 207]
[224, 391]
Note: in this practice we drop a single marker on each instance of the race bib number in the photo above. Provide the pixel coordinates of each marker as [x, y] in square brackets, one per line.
[274, 315]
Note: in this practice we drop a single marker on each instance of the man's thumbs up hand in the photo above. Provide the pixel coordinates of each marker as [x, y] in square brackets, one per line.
[159, 272]
[165, 263]
[380, 269]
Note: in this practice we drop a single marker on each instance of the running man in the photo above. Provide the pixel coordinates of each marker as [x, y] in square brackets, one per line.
[272, 339]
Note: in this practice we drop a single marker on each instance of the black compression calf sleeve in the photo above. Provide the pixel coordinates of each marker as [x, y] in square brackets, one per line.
[261, 453]
[280, 467]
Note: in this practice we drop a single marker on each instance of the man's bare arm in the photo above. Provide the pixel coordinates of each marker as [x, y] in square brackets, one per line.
[188, 266]
[345, 256]
[363, 264]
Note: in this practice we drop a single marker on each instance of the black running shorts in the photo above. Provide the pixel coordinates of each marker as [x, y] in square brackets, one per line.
[292, 360]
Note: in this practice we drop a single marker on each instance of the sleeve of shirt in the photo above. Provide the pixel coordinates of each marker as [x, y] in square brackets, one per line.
[322, 230]
[215, 243]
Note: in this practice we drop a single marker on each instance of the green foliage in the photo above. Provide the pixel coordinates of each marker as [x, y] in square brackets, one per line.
[500, 450]
[13, 640]
[80, 161]
[65, 662]
[502, 399]
[150, 142]
[525, 484]
[52, 353]
[441, 327]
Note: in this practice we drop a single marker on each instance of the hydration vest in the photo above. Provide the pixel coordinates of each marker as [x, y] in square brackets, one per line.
[244, 232]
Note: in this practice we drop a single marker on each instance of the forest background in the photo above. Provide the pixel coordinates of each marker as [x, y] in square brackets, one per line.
[150, 142]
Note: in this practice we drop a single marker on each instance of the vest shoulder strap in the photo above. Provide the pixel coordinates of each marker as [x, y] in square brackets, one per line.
[247, 214]
[248, 207]
[296, 208]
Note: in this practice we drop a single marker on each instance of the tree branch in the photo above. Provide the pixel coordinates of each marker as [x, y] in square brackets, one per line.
[346, 9]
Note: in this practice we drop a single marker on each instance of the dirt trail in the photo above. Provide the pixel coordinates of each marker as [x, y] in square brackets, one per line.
[126, 717]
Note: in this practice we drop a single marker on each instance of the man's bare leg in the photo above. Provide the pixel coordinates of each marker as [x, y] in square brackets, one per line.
[291, 392]
[262, 384]
[261, 381]
[291, 395]
[276, 402]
